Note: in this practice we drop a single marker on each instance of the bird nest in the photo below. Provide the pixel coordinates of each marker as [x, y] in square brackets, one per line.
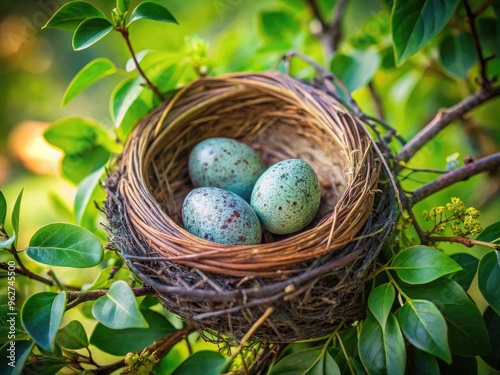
[289, 287]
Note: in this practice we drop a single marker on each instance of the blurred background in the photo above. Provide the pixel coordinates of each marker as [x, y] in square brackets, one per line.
[37, 65]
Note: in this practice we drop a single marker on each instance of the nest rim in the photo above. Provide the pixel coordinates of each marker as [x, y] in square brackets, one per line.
[333, 232]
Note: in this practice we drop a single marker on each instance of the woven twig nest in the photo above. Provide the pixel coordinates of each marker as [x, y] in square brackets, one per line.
[312, 279]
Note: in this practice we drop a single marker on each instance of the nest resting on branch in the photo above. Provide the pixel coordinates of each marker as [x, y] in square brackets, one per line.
[313, 279]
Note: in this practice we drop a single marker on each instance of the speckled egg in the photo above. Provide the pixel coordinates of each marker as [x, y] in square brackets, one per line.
[227, 164]
[220, 216]
[286, 197]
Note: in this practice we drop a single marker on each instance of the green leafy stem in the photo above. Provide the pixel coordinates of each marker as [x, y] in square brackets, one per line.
[89, 25]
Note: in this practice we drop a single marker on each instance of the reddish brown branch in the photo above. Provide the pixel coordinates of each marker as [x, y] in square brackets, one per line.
[443, 118]
[27, 273]
[468, 242]
[487, 163]
[152, 86]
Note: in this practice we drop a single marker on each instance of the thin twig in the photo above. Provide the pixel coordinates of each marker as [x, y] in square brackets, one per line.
[23, 271]
[77, 297]
[487, 163]
[424, 170]
[379, 108]
[152, 86]
[252, 330]
[471, 19]
[330, 33]
[336, 28]
[443, 118]
[468, 242]
[314, 8]
[391, 132]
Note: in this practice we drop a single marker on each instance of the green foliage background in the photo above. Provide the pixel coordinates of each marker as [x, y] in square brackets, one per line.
[37, 65]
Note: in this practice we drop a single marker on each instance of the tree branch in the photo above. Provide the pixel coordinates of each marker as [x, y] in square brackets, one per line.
[336, 28]
[152, 86]
[27, 273]
[75, 298]
[443, 118]
[468, 242]
[471, 19]
[379, 108]
[329, 34]
[487, 163]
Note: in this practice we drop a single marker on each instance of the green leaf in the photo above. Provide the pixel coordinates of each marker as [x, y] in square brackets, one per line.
[459, 366]
[489, 279]
[65, 245]
[10, 325]
[72, 14]
[122, 6]
[91, 31]
[15, 216]
[14, 366]
[3, 210]
[467, 334]
[382, 349]
[118, 308]
[469, 267]
[148, 301]
[415, 23]
[7, 243]
[86, 144]
[128, 104]
[387, 59]
[380, 302]
[78, 136]
[204, 362]
[279, 25]
[457, 54]
[356, 366]
[422, 264]
[44, 366]
[60, 206]
[152, 11]
[488, 31]
[496, 7]
[492, 322]
[357, 68]
[76, 167]
[91, 73]
[490, 234]
[314, 361]
[422, 363]
[88, 192]
[122, 341]
[72, 336]
[41, 315]
[107, 276]
[425, 327]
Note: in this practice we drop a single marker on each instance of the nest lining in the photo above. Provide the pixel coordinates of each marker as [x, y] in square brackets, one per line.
[315, 277]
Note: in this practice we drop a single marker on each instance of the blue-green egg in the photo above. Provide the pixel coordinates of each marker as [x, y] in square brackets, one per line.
[287, 196]
[220, 216]
[227, 164]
